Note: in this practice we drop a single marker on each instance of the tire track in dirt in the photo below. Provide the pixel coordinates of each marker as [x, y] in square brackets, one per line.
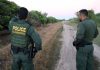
[67, 59]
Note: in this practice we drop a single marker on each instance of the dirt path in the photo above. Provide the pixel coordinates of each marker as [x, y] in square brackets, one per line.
[68, 52]
[97, 52]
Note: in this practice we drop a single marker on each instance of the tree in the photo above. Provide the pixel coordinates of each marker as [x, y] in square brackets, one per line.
[7, 11]
[51, 20]
[98, 19]
[91, 14]
[38, 18]
[34, 18]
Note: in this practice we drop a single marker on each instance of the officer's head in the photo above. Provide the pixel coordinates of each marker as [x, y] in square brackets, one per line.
[83, 14]
[22, 13]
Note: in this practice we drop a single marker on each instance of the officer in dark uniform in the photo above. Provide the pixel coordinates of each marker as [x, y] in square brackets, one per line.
[86, 32]
[22, 35]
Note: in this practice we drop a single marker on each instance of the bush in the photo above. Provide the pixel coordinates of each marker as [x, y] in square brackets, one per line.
[7, 11]
[1, 28]
[38, 18]
[51, 20]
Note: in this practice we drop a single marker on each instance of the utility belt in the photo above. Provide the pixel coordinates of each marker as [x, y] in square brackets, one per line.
[83, 45]
[16, 49]
[89, 43]
[30, 51]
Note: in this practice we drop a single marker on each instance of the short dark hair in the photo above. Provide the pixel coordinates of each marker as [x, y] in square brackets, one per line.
[84, 12]
[22, 13]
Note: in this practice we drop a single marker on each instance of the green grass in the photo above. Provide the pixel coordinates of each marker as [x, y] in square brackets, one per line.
[96, 64]
[97, 40]
[71, 23]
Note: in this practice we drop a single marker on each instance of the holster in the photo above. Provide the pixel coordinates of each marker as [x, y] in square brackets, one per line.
[33, 52]
[81, 43]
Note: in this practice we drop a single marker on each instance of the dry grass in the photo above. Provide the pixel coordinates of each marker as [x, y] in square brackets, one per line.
[44, 58]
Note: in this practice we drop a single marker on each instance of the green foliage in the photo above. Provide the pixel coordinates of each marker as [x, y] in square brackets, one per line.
[91, 14]
[95, 17]
[1, 27]
[38, 18]
[74, 20]
[51, 20]
[98, 19]
[98, 14]
[7, 11]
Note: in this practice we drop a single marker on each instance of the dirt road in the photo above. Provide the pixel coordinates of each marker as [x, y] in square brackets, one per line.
[68, 53]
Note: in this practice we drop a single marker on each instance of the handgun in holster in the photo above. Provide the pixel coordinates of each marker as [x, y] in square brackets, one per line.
[33, 51]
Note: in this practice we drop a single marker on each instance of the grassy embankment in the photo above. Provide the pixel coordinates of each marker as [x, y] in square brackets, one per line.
[97, 40]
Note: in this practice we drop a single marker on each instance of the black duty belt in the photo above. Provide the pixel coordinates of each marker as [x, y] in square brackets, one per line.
[16, 49]
[83, 45]
[89, 43]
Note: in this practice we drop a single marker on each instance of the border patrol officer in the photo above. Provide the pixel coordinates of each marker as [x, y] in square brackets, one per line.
[86, 32]
[22, 35]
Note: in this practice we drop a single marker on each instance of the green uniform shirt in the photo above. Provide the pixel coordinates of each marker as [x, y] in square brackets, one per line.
[87, 30]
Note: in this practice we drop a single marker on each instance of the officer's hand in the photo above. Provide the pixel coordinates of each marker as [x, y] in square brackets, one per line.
[75, 43]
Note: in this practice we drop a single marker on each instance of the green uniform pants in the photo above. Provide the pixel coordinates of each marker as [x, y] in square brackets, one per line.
[22, 61]
[84, 58]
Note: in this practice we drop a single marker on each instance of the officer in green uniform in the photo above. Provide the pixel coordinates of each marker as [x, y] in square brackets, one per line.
[86, 32]
[22, 35]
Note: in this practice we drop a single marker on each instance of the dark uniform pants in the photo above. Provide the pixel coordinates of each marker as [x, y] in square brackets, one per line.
[84, 58]
[22, 61]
